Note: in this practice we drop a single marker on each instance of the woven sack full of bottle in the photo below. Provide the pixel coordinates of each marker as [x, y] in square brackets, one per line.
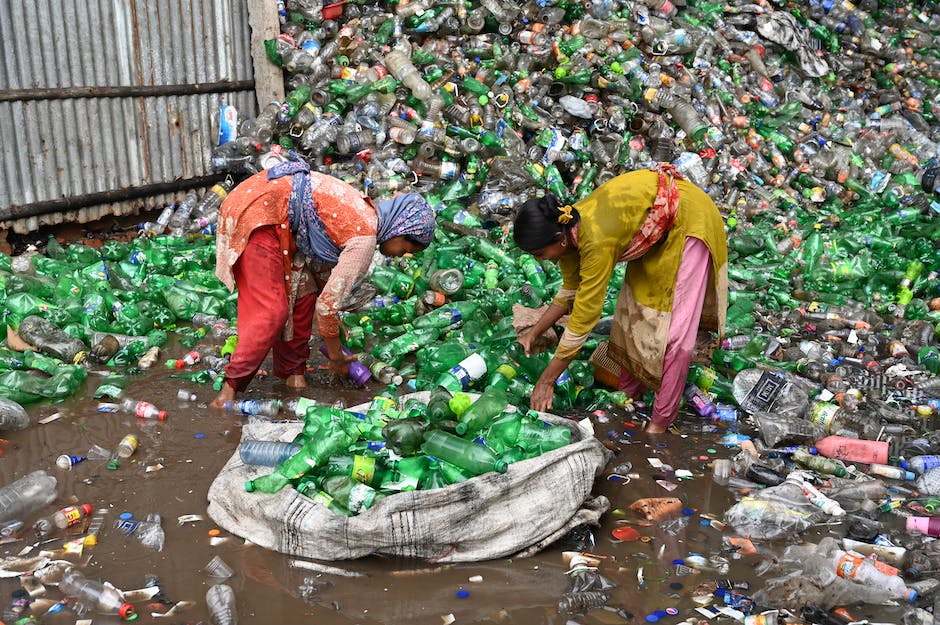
[494, 515]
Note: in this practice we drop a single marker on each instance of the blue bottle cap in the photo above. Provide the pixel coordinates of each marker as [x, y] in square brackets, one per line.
[904, 465]
[199, 435]
[678, 561]
[660, 613]
[126, 515]
[688, 511]
[651, 618]
[463, 594]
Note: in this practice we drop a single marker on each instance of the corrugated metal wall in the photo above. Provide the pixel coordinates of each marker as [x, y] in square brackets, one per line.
[55, 147]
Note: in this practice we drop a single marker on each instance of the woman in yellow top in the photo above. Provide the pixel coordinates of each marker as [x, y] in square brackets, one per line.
[673, 238]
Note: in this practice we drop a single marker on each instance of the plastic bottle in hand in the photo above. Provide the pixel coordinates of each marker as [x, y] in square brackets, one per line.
[99, 596]
[220, 599]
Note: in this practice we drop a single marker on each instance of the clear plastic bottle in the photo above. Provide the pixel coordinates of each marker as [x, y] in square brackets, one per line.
[142, 409]
[124, 450]
[399, 65]
[26, 495]
[861, 570]
[12, 416]
[220, 600]
[99, 596]
[757, 390]
[255, 407]
[266, 453]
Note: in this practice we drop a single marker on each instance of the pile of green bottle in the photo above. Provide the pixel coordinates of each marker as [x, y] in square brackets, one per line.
[461, 331]
[349, 461]
[133, 292]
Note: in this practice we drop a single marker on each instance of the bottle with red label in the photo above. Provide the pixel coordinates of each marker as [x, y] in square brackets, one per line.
[188, 360]
[143, 409]
[71, 516]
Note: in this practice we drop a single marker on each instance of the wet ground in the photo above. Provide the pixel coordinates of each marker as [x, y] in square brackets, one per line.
[171, 472]
[177, 460]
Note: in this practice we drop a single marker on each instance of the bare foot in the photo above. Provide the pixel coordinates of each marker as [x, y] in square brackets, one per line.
[227, 394]
[296, 381]
[652, 428]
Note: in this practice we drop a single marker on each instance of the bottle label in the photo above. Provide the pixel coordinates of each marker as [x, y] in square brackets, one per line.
[462, 376]
[930, 462]
[126, 525]
[72, 515]
[363, 469]
[823, 414]
[142, 409]
[849, 565]
[764, 394]
[360, 498]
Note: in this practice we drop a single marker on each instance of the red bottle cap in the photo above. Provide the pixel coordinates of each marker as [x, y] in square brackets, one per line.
[179, 364]
[86, 509]
[127, 612]
[161, 415]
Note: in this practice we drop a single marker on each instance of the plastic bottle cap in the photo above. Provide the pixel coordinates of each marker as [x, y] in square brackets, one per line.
[86, 509]
[161, 416]
[660, 613]
[911, 595]
[905, 464]
[463, 594]
[249, 486]
[652, 618]
[127, 612]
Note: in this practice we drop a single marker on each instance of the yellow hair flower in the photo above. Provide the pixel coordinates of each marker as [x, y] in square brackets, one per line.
[565, 215]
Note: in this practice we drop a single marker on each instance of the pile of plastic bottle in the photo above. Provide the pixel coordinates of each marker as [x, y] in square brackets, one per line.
[811, 125]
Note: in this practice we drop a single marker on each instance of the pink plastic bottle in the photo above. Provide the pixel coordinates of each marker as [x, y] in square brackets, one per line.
[853, 449]
[924, 524]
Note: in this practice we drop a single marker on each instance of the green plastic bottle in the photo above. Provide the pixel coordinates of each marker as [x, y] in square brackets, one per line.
[351, 494]
[466, 455]
[486, 408]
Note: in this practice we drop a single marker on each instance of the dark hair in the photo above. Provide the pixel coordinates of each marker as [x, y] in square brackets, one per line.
[421, 244]
[536, 224]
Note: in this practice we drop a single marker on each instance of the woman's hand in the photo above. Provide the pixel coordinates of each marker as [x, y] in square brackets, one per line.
[542, 395]
[340, 364]
[527, 340]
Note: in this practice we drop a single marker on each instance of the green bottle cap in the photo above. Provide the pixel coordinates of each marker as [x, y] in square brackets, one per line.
[249, 486]
[113, 464]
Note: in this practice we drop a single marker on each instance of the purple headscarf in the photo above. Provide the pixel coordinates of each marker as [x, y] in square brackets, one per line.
[407, 214]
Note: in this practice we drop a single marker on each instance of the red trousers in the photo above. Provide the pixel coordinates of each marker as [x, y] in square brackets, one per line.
[262, 313]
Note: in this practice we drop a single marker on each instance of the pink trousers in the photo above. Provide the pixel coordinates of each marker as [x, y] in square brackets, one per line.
[262, 313]
[687, 302]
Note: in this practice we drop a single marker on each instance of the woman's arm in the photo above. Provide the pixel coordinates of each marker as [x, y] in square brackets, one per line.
[353, 263]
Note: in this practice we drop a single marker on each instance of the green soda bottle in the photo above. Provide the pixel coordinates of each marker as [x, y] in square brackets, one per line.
[819, 464]
[351, 494]
[366, 469]
[466, 455]
[487, 407]
[447, 316]
[434, 476]
[323, 441]
[392, 281]
[404, 436]
[438, 408]
[405, 344]
[712, 382]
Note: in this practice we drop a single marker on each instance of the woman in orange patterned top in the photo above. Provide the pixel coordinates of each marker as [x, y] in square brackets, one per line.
[295, 242]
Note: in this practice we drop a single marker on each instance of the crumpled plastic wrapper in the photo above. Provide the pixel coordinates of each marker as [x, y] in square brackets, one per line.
[524, 318]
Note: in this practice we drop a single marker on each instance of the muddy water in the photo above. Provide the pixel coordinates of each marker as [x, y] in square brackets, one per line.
[171, 472]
